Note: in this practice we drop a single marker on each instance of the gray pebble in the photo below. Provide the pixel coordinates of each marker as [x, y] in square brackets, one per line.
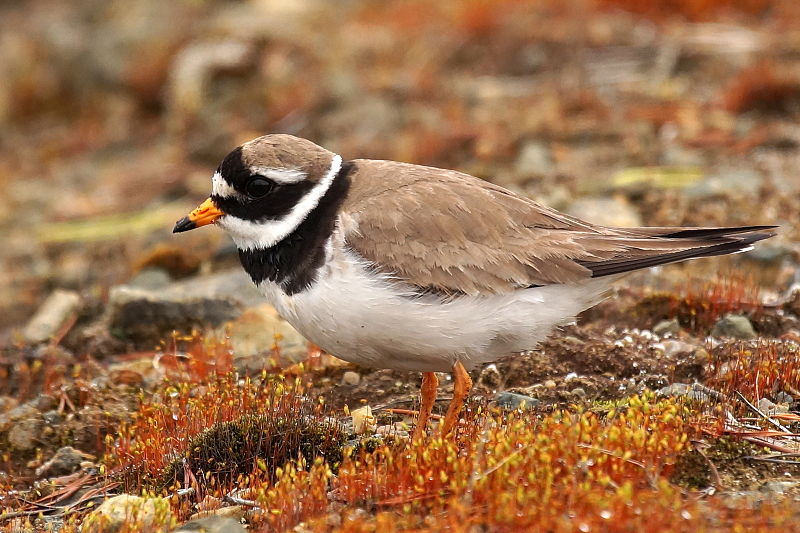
[778, 487]
[51, 316]
[150, 278]
[24, 435]
[512, 400]
[675, 389]
[65, 461]
[212, 524]
[667, 326]
[351, 378]
[783, 397]
[735, 326]
[579, 392]
[766, 406]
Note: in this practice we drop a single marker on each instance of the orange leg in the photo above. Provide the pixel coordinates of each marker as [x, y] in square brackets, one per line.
[461, 390]
[428, 391]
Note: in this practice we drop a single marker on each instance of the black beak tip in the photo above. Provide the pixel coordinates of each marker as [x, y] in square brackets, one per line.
[183, 224]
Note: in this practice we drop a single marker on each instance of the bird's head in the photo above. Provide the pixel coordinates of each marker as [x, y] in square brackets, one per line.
[264, 189]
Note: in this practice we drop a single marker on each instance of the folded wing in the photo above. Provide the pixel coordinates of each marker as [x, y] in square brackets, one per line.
[452, 233]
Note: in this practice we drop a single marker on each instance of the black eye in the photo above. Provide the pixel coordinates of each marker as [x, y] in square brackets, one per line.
[258, 187]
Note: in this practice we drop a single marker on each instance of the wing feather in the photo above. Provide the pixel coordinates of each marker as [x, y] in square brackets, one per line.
[452, 233]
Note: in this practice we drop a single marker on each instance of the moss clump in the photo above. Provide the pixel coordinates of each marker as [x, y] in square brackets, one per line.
[653, 307]
[726, 453]
[238, 447]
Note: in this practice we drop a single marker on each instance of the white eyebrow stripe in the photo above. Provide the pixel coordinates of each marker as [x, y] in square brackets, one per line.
[220, 187]
[283, 176]
[250, 235]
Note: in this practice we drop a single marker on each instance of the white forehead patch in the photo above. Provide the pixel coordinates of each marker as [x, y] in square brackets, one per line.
[283, 176]
[250, 235]
[220, 187]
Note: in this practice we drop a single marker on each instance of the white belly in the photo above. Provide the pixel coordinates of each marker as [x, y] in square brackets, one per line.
[366, 319]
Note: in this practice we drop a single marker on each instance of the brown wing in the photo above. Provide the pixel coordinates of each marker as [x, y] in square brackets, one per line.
[453, 233]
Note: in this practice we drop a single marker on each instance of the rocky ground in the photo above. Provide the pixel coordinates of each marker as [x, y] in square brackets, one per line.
[113, 117]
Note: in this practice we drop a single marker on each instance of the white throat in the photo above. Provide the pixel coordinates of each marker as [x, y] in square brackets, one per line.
[250, 235]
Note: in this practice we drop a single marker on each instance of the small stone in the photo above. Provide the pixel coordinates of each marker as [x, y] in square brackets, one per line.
[44, 402]
[148, 316]
[233, 512]
[784, 398]
[549, 384]
[534, 159]
[735, 326]
[778, 487]
[351, 378]
[52, 418]
[579, 392]
[24, 435]
[490, 377]
[512, 401]
[212, 524]
[667, 326]
[120, 511]
[676, 389]
[363, 421]
[150, 278]
[51, 316]
[770, 408]
[613, 211]
[698, 395]
[26, 410]
[65, 461]
[257, 332]
[675, 347]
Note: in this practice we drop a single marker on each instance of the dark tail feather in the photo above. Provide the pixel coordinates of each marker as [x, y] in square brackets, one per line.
[690, 242]
[702, 233]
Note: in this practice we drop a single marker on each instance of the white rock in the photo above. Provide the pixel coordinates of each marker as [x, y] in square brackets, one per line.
[675, 347]
[51, 316]
[735, 326]
[363, 421]
[258, 329]
[125, 510]
[606, 211]
[351, 378]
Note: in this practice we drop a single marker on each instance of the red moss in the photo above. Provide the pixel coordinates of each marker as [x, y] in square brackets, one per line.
[704, 303]
[195, 358]
[757, 369]
[164, 425]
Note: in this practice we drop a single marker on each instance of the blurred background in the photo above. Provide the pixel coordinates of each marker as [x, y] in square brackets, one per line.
[113, 115]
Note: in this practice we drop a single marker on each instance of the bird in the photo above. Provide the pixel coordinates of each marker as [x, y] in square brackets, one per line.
[400, 266]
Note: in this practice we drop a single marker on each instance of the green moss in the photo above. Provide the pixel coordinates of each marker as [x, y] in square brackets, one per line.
[229, 449]
[693, 471]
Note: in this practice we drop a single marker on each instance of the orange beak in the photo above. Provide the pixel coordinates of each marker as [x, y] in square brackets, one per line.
[204, 214]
